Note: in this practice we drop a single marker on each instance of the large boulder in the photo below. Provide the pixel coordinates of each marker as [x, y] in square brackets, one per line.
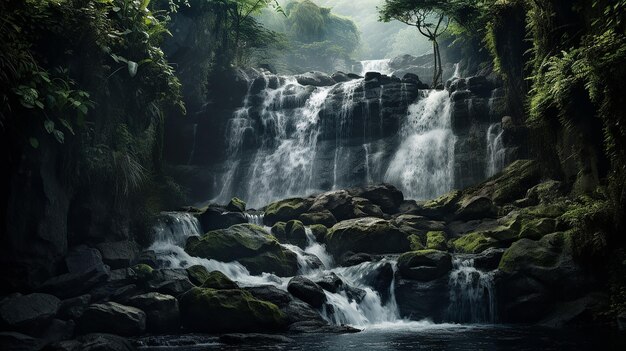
[368, 235]
[418, 223]
[113, 318]
[74, 307]
[286, 210]
[218, 280]
[307, 291]
[223, 311]
[436, 240]
[236, 205]
[473, 243]
[295, 309]
[511, 184]
[419, 300]
[28, 312]
[162, 314]
[198, 274]
[215, 217]
[424, 265]
[476, 207]
[13, 341]
[388, 197]
[316, 79]
[119, 254]
[74, 284]
[82, 259]
[323, 217]
[170, 281]
[247, 243]
[95, 342]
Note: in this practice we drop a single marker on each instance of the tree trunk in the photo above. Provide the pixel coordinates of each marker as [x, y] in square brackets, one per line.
[435, 70]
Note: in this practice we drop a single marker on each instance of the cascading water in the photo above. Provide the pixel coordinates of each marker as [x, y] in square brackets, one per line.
[495, 149]
[423, 166]
[472, 294]
[381, 66]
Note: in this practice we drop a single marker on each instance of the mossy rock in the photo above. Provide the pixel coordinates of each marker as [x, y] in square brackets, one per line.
[442, 206]
[474, 243]
[218, 280]
[415, 242]
[515, 181]
[278, 230]
[236, 205]
[369, 235]
[286, 210]
[324, 217]
[197, 274]
[295, 233]
[225, 311]
[535, 229]
[143, 272]
[526, 254]
[436, 240]
[424, 265]
[247, 243]
[319, 232]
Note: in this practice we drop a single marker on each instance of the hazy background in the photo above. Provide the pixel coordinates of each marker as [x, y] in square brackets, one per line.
[378, 40]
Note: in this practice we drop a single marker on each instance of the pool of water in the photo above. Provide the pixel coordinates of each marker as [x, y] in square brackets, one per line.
[421, 336]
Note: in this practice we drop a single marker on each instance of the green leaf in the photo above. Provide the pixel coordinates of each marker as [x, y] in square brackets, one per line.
[67, 125]
[39, 104]
[59, 136]
[49, 125]
[83, 109]
[34, 142]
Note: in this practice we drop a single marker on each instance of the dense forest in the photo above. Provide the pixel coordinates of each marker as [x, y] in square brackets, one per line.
[402, 173]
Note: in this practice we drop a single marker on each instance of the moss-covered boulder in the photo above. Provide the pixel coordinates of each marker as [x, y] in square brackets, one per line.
[295, 233]
[510, 185]
[418, 222]
[278, 231]
[249, 244]
[222, 311]
[197, 274]
[436, 240]
[416, 242]
[474, 243]
[319, 232]
[475, 207]
[442, 206]
[143, 272]
[424, 265]
[216, 217]
[369, 235]
[527, 255]
[537, 228]
[219, 281]
[324, 217]
[286, 210]
[236, 205]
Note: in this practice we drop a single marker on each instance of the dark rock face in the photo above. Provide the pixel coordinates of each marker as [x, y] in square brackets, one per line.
[217, 218]
[162, 314]
[296, 310]
[74, 284]
[418, 300]
[29, 311]
[424, 265]
[113, 318]
[119, 254]
[307, 291]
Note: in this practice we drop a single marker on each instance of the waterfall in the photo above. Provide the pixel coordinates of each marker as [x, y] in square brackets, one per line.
[174, 228]
[472, 295]
[423, 165]
[382, 66]
[345, 121]
[255, 218]
[495, 149]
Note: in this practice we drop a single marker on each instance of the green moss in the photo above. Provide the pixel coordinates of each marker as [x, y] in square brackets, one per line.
[229, 244]
[143, 271]
[278, 230]
[217, 280]
[319, 232]
[324, 217]
[286, 210]
[530, 253]
[234, 310]
[474, 243]
[197, 274]
[369, 235]
[445, 201]
[515, 181]
[537, 228]
[415, 242]
[236, 205]
[436, 240]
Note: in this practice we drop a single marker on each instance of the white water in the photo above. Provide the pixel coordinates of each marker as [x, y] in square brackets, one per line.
[254, 218]
[423, 166]
[381, 66]
[495, 149]
[472, 294]
[174, 229]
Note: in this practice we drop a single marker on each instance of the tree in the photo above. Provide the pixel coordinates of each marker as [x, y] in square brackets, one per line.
[430, 17]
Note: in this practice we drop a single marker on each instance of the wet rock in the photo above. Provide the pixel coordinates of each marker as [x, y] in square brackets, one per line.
[113, 318]
[576, 313]
[475, 243]
[28, 312]
[94, 342]
[319, 232]
[379, 277]
[197, 274]
[476, 207]
[340, 77]
[339, 203]
[545, 192]
[74, 284]
[170, 281]
[271, 293]
[330, 282]
[237, 309]
[424, 265]
[436, 240]
[388, 197]
[368, 235]
[372, 75]
[119, 254]
[324, 217]
[307, 291]
[236, 205]
[419, 223]
[286, 210]
[317, 79]
[83, 259]
[57, 330]
[419, 300]
[249, 244]
[73, 308]
[479, 85]
[489, 259]
[512, 184]
[294, 309]
[218, 280]
[162, 313]
[218, 218]
[295, 233]
[351, 259]
[254, 338]
[148, 257]
[12, 341]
